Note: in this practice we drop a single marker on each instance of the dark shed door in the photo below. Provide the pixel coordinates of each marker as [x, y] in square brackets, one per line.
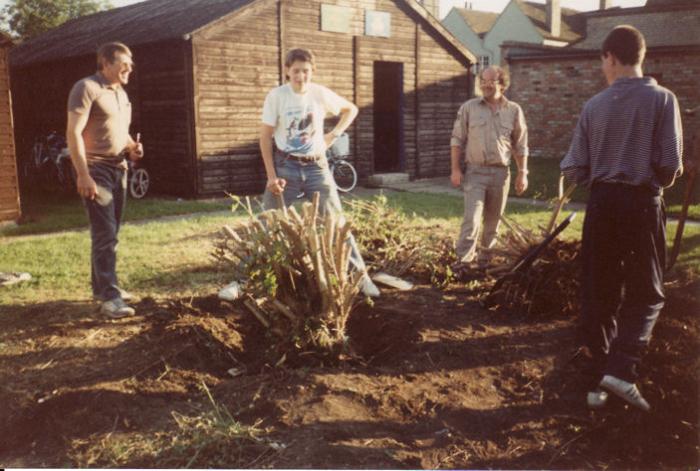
[389, 155]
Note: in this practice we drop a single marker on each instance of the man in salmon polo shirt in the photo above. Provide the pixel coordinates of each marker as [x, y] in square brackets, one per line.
[99, 115]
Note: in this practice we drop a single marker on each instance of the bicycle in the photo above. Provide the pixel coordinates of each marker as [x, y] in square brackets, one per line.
[343, 172]
[50, 166]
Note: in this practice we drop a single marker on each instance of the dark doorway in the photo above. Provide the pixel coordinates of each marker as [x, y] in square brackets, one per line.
[388, 117]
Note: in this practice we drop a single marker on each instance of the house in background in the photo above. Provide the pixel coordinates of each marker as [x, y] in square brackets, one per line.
[203, 68]
[553, 83]
[469, 27]
[9, 188]
[529, 22]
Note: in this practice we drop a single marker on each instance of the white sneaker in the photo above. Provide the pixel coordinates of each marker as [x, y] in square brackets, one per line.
[116, 309]
[629, 392]
[126, 296]
[231, 291]
[368, 288]
[596, 399]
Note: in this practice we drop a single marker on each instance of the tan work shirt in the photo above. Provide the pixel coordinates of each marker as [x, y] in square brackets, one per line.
[106, 133]
[490, 138]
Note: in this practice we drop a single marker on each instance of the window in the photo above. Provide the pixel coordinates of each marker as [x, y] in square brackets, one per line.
[481, 64]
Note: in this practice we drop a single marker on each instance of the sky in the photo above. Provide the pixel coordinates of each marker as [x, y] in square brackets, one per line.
[484, 5]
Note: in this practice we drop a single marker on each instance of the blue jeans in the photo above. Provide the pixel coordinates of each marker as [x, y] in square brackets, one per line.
[310, 178]
[623, 255]
[105, 214]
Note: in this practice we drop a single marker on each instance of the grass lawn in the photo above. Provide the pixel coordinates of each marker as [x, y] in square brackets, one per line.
[544, 177]
[56, 212]
[172, 257]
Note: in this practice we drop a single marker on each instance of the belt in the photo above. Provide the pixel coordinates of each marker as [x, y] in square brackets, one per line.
[307, 159]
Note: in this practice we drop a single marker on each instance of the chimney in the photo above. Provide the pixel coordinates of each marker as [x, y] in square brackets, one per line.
[553, 10]
[605, 4]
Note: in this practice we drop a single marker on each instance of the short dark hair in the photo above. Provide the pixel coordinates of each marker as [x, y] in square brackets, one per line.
[503, 76]
[626, 43]
[299, 54]
[108, 51]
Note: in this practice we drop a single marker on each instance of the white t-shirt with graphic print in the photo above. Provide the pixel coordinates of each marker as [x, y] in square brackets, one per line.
[298, 117]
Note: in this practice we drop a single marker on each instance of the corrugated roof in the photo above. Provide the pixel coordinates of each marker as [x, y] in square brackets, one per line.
[141, 23]
[479, 21]
[148, 22]
[573, 24]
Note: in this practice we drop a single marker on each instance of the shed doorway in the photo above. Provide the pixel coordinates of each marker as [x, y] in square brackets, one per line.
[389, 153]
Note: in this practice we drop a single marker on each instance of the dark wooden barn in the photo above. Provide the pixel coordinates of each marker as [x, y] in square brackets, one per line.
[203, 68]
[9, 189]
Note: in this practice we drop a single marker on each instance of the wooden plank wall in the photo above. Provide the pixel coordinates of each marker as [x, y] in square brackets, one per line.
[160, 98]
[400, 47]
[40, 96]
[443, 87]
[9, 188]
[159, 95]
[236, 62]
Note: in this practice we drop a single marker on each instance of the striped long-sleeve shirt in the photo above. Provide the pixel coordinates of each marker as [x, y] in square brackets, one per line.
[628, 133]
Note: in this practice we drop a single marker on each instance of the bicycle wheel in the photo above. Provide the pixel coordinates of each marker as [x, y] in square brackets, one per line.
[139, 182]
[344, 175]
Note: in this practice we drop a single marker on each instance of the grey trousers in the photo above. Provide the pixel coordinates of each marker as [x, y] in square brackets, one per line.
[485, 196]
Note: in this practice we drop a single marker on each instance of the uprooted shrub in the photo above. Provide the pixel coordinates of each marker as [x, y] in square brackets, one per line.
[296, 269]
[547, 288]
[391, 242]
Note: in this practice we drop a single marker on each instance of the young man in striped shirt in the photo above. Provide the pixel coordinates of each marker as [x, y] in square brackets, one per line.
[626, 148]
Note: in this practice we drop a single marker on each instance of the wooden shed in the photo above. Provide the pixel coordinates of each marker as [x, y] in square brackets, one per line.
[9, 188]
[203, 68]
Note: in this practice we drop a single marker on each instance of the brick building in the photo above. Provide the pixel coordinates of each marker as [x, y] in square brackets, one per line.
[553, 83]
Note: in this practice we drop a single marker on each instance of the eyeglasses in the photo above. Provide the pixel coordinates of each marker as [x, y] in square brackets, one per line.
[489, 82]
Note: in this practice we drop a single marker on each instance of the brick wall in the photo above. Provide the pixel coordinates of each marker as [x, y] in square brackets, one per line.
[552, 92]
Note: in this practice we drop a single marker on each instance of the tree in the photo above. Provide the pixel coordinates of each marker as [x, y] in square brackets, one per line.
[28, 18]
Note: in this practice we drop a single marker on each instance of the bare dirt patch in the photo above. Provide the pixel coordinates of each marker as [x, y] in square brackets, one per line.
[432, 380]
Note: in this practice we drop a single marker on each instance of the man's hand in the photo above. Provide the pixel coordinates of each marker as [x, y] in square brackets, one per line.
[521, 182]
[136, 151]
[87, 188]
[276, 185]
[136, 148]
[456, 178]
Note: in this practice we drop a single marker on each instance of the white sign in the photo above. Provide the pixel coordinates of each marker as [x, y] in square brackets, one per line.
[378, 23]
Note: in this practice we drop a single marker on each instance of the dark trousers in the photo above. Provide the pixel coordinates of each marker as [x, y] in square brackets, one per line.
[623, 254]
[105, 214]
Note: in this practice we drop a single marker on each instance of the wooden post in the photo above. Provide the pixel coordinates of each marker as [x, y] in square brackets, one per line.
[280, 38]
[192, 130]
[356, 98]
[416, 102]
